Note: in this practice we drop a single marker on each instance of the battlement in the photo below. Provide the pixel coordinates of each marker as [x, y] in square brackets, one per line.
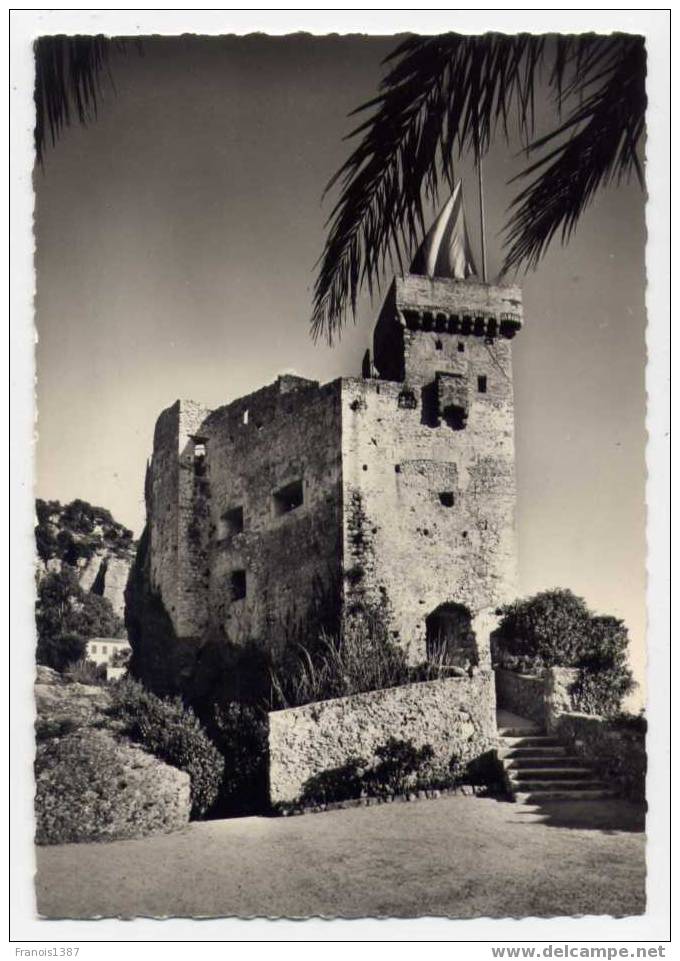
[418, 304]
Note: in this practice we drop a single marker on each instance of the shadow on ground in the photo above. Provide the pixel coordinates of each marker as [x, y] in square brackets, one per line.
[611, 815]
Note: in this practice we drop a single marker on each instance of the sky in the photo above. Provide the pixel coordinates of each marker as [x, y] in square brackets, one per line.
[176, 238]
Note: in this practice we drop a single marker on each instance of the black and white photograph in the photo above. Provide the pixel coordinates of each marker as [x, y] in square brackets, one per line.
[337, 604]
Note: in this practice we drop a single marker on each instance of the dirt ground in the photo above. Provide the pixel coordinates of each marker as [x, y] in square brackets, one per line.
[461, 857]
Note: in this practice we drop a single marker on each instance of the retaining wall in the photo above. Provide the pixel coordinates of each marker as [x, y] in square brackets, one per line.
[523, 694]
[454, 716]
[615, 751]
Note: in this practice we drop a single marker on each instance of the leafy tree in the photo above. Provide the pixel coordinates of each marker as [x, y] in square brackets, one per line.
[63, 612]
[551, 628]
[451, 95]
[59, 650]
[555, 629]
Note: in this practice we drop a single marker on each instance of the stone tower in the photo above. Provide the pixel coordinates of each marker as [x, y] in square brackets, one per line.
[430, 457]
[395, 489]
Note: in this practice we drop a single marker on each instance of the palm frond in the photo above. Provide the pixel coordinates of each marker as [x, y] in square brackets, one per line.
[68, 74]
[447, 95]
[598, 141]
[443, 95]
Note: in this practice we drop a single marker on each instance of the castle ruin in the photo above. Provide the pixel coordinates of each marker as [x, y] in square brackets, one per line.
[395, 488]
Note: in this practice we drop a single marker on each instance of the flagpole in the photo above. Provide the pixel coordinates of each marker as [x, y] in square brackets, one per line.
[481, 214]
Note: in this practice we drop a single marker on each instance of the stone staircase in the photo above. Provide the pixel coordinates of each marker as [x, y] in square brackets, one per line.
[539, 768]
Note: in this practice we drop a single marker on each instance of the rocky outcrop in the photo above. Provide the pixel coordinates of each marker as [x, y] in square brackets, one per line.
[92, 784]
[89, 542]
[90, 787]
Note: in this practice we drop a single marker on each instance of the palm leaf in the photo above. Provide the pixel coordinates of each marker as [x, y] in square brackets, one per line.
[68, 75]
[450, 95]
[599, 142]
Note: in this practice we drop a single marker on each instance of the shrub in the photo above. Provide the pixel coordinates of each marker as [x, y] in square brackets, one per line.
[399, 767]
[336, 784]
[60, 650]
[240, 733]
[601, 692]
[173, 733]
[548, 629]
[86, 672]
[399, 764]
[91, 788]
[556, 629]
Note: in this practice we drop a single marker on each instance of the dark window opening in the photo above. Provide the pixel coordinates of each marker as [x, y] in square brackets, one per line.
[438, 345]
[481, 384]
[232, 522]
[446, 498]
[199, 456]
[461, 347]
[238, 585]
[288, 498]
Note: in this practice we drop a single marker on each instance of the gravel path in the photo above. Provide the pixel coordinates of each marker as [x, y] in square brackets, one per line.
[457, 856]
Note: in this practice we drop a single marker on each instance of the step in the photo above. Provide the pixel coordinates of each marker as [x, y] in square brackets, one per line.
[535, 761]
[534, 740]
[559, 794]
[549, 774]
[520, 732]
[543, 784]
[542, 752]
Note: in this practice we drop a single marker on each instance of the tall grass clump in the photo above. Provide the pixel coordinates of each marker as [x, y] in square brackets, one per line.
[361, 657]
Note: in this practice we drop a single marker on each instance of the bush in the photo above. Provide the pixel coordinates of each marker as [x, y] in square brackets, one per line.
[86, 672]
[555, 629]
[600, 692]
[240, 733]
[399, 767]
[61, 650]
[336, 784]
[173, 733]
[546, 630]
[91, 788]
[399, 763]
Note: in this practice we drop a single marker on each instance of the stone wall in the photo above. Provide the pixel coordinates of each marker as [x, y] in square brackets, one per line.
[455, 716]
[541, 698]
[257, 579]
[429, 511]
[522, 694]
[557, 694]
[616, 751]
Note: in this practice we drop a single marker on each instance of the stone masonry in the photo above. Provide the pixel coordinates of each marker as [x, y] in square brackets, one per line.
[394, 489]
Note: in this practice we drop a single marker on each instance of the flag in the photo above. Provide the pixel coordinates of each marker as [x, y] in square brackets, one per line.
[445, 250]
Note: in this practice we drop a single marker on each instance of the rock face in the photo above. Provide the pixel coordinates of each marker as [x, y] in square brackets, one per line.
[90, 787]
[455, 717]
[88, 541]
[91, 784]
[63, 707]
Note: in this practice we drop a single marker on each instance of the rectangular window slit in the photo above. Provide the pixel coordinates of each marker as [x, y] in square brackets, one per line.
[481, 384]
[238, 585]
[288, 498]
[232, 522]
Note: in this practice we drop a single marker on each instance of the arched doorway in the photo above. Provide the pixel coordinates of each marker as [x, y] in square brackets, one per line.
[449, 637]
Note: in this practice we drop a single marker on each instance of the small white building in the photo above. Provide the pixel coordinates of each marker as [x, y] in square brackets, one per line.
[101, 650]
